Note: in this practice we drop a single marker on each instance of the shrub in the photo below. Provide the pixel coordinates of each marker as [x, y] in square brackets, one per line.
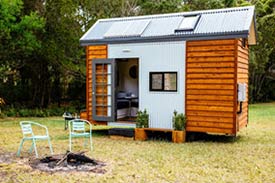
[11, 112]
[40, 113]
[142, 119]
[20, 111]
[2, 115]
[55, 111]
[24, 113]
[179, 121]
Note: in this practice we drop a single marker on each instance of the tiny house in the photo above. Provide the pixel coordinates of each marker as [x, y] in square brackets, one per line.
[193, 62]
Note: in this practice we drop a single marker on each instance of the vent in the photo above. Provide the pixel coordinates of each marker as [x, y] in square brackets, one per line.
[127, 28]
[188, 23]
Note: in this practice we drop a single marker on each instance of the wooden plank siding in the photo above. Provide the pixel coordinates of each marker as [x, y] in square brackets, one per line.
[211, 85]
[92, 52]
[242, 77]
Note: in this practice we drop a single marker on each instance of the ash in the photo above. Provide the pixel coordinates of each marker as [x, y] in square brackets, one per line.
[68, 162]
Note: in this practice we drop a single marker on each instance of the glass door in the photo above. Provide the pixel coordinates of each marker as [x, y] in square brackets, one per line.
[103, 89]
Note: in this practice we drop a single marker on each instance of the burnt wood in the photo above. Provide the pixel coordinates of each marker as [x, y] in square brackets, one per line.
[68, 158]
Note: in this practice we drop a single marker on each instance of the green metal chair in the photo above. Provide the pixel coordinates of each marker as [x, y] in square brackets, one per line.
[77, 128]
[28, 134]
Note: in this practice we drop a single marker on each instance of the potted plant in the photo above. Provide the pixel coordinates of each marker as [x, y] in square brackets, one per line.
[141, 123]
[179, 123]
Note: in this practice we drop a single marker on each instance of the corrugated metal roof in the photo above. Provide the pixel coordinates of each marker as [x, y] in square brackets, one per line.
[212, 24]
[127, 28]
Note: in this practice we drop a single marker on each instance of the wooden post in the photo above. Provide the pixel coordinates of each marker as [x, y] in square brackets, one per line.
[178, 136]
[140, 134]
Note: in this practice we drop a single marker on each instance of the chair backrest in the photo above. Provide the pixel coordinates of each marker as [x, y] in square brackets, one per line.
[26, 128]
[78, 125]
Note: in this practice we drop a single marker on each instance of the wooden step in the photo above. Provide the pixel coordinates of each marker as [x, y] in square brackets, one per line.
[122, 124]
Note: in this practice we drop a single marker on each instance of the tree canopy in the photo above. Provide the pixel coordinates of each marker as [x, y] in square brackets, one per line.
[41, 61]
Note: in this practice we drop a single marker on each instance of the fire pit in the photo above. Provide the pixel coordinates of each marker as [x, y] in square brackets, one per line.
[68, 162]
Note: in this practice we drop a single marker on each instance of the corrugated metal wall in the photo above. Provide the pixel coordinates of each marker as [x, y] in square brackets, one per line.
[154, 57]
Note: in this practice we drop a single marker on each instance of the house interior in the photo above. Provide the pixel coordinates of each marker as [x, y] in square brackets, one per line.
[127, 96]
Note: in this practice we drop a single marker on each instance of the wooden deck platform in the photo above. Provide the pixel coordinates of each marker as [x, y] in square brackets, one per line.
[176, 136]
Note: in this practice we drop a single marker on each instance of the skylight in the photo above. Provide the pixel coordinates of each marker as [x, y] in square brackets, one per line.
[127, 28]
[188, 23]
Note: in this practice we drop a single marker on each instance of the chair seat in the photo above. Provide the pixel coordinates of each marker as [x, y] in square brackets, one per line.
[80, 134]
[36, 137]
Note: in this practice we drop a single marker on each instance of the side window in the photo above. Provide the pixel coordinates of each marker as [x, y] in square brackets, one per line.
[163, 81]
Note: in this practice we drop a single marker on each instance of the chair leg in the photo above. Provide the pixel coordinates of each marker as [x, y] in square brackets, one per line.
[35, 149]
[20, 147]
[31, 149]
[91, 142]
[85, 141]
[50, 145]
[66, 125]
[70, 143]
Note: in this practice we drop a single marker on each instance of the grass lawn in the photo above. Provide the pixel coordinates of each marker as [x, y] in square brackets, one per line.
[250, 158]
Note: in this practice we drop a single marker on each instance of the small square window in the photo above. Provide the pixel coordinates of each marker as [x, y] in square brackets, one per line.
[157, 81]
[170, 81]
[163, 81]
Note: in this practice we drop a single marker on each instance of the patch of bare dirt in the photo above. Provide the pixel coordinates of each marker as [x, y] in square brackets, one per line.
[7, 158]
[68, 162]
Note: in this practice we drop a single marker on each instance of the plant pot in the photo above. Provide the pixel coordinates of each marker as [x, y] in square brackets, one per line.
[83, 115]
[140, 134]
[178, 136]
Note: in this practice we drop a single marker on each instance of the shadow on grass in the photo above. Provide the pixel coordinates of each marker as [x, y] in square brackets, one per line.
[95, 133]
[204, 137]
[192, 137]
[161, 136]
[100, 132]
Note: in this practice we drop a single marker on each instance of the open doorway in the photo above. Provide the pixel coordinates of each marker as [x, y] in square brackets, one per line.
[127, 95]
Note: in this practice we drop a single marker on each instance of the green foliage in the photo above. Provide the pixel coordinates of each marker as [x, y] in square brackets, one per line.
[24, 112]
[19, 43]
[203, 4]
[18, 32]
[142, 119]
[39, 52]
[2, 115]
[11, 112]
[160, 6]
[179, 121]
[262, 62]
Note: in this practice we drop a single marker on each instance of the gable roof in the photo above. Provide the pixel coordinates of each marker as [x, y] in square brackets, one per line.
[211, 24]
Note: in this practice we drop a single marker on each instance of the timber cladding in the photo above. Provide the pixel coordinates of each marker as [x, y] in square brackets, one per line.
[92, 52]
[213, 68]
[242, 77]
